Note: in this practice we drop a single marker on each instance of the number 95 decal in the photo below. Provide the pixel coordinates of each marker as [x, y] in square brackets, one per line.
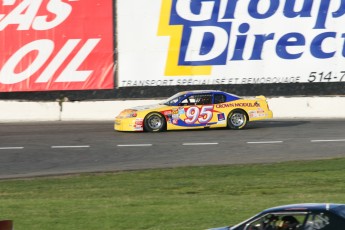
[203, 115]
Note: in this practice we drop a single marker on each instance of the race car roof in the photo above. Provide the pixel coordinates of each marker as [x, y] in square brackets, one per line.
[208, 91]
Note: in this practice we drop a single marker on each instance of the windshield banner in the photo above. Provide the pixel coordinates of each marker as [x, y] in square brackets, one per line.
[200, 42]
[56, 45]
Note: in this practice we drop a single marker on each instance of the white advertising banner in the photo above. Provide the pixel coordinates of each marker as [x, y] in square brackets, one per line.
[201, 42]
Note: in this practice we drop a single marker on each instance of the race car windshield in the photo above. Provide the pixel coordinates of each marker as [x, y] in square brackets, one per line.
[340, 210]
[174, 99]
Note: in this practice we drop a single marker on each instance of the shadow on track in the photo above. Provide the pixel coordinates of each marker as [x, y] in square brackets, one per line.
[274, 124]
[250, 126]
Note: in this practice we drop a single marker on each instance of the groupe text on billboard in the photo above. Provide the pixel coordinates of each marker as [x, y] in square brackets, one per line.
[209, 25]
[259, 35]
[56, 45]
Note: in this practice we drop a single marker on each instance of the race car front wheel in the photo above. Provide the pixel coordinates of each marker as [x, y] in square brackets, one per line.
[237, 119]
[154, 122]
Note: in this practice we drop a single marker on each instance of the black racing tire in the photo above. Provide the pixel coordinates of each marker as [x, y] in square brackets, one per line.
[154, 122]
[237, 119]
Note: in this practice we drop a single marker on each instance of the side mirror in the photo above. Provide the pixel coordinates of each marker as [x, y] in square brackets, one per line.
[6, 225]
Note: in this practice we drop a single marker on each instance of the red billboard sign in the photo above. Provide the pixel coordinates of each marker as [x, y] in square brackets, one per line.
[56, 45]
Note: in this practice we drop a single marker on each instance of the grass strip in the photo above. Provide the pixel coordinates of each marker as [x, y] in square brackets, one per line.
[178, 198]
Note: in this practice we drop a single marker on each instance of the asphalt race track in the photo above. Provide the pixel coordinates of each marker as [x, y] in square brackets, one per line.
[54, 148]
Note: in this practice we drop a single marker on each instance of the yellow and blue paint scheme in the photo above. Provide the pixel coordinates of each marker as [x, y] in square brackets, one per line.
[185, 110]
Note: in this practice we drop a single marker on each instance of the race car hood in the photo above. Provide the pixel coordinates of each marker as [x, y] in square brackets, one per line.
[132, 112]
[148, 107]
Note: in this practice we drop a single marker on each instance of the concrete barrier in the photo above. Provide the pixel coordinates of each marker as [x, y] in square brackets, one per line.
[307, 107]
[98, 110]
[29, 111]
[282, 107]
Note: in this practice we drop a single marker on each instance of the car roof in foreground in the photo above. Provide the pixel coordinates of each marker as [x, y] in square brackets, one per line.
[304, 207]
[339, 209]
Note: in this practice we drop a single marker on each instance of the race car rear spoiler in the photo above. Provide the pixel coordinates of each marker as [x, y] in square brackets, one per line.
[262, 97]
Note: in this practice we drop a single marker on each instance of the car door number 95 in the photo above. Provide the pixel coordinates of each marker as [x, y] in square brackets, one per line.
[202, 115]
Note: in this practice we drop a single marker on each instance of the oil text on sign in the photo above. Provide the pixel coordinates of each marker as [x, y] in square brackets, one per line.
[54, 47]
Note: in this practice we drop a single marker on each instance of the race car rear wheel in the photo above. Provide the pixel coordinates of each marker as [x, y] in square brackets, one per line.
[154, 122]
[237, 119]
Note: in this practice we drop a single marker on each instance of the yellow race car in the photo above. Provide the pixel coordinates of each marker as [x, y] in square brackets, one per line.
[194, 110]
